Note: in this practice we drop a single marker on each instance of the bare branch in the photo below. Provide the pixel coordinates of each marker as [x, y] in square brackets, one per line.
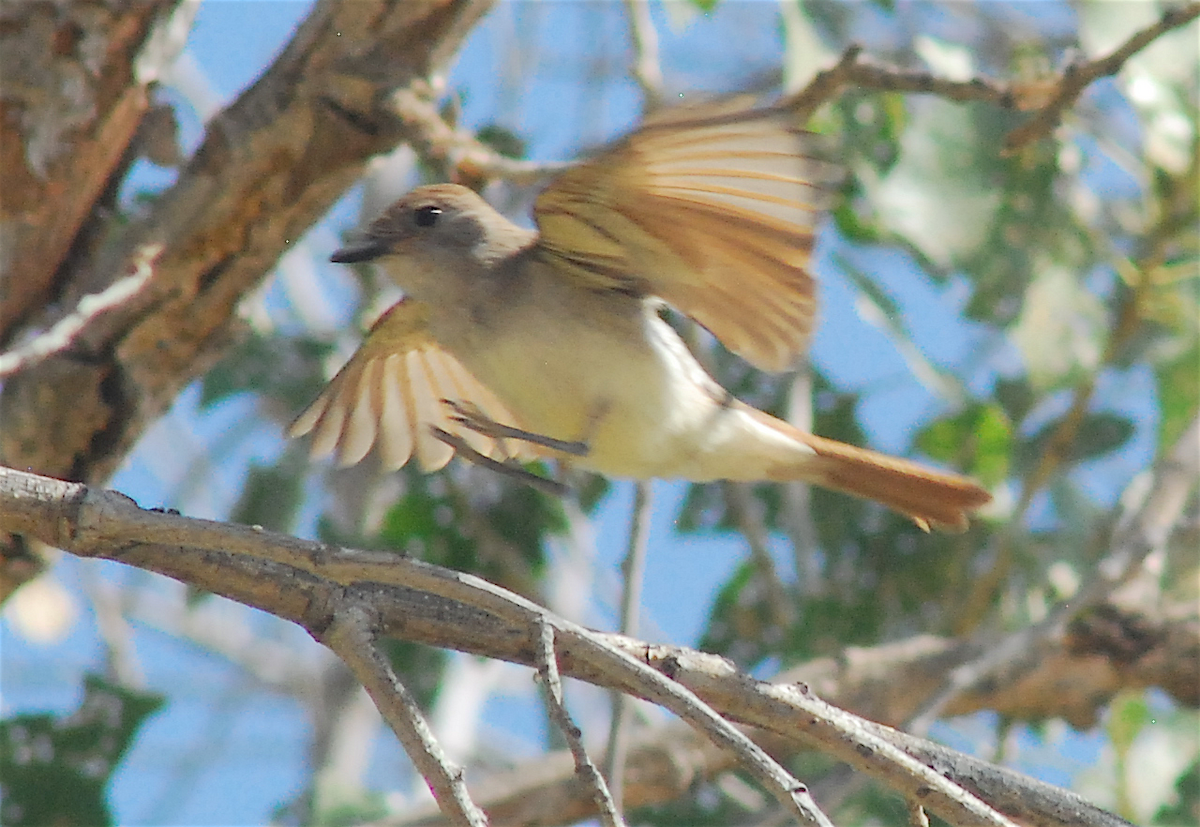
[610, 815]
[304, 582]
[853, 69]
[1050, 97]
[1078, 76]
[633, 574]
[643, 39]
[352, 637]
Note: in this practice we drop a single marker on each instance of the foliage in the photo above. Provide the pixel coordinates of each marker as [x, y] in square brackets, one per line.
[56, 769]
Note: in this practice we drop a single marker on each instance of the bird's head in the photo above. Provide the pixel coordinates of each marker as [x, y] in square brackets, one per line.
[436, 227]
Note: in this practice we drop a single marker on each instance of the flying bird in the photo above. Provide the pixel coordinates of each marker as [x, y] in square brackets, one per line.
[511, 343]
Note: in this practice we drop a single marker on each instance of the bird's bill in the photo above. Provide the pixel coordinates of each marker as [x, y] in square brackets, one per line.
[367, 249]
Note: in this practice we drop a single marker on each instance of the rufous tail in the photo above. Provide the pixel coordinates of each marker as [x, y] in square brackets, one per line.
[931, 498]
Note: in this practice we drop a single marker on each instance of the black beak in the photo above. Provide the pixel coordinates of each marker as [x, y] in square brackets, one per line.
[367, 249]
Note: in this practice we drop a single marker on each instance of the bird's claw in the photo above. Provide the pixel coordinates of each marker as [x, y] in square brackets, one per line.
[470, 416]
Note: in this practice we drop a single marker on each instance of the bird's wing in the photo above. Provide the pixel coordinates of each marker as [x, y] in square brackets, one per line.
[711, 208]
[390, 394]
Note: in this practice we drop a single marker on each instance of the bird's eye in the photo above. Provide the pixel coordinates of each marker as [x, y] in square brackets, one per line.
[427, 216]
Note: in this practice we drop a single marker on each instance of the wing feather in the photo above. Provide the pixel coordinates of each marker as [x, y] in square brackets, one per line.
[390, 393]
[711, 208]
[397, 420]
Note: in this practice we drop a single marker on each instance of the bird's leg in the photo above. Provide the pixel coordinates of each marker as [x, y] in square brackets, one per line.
[469, 416]
[509, 469]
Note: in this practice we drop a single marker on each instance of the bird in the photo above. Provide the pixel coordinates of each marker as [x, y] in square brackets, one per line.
[513, 343]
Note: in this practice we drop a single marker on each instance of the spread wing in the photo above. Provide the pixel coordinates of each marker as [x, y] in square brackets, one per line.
[713, 209]
[390, 393]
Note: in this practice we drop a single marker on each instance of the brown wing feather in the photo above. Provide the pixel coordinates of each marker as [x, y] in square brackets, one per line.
[389, 394]
[697, 200]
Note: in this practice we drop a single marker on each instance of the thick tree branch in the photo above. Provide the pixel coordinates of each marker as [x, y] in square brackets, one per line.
[76, 89]
[270, 164]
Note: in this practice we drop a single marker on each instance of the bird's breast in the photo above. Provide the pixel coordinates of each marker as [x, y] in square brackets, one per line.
[582, 365]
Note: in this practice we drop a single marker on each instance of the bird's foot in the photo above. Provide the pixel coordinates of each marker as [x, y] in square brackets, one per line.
[469, 416]
[509, 469]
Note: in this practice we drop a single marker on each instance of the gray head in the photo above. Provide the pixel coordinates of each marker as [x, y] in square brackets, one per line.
[435, 223]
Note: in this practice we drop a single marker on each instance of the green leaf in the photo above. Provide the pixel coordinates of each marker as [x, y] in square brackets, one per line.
[1186, 807]
[1128, 715]
[1098, 434]
[1016, 396]
[1101, 433]
[979, 439]
[56, 770]
[1178, 392]
[504, 141]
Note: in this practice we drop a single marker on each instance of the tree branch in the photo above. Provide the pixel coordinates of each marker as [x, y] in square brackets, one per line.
[1141, 530]
[547, 666]
[352, 638]
[270, 164]
[305, 582]
[1050, 97]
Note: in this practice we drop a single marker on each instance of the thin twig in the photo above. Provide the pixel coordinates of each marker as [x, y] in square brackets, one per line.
[747, 513]
[610, 814]
[643, 40]
[436, 140]
[1076, 77]
[633, 573]
[352, 637]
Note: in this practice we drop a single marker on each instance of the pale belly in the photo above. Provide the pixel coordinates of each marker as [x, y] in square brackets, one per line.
[631, 391]
[618, 391]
